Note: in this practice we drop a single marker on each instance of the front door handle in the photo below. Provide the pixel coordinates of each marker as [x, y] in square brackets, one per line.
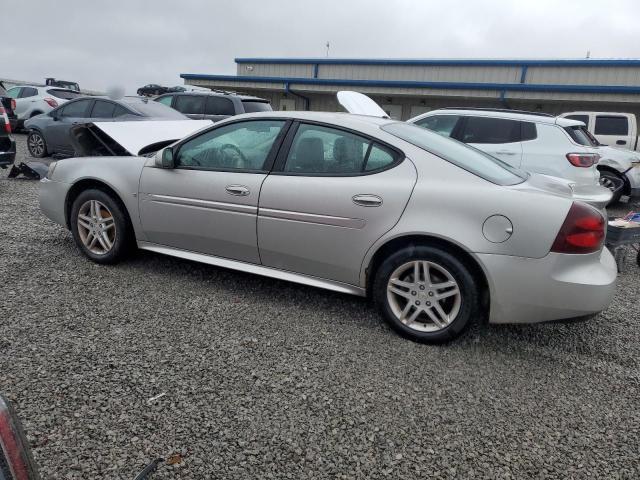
[367, 200]
[238, 190]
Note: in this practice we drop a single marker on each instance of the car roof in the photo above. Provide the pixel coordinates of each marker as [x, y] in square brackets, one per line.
[528, 117]
[215, 94]
[337, 118]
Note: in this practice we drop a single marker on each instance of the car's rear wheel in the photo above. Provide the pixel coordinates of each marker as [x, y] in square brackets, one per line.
[426, 294]
[613, 182]
[100, 226]
[36, 144]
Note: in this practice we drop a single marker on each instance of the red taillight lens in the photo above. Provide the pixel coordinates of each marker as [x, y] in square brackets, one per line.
[52, 103]
[584, 160]
[583, 231]
[5, 119]
[15, 457]
[13, 104]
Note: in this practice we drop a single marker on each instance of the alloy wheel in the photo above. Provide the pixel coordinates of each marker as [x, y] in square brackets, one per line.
[36, 144]
[607, 182]
[424, 296]
[96, 227]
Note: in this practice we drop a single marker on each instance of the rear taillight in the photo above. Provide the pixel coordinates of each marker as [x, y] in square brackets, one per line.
[582, 231]
[51, 102]
[5, 119]
[584, 160]
[13, 104]
[15, 457]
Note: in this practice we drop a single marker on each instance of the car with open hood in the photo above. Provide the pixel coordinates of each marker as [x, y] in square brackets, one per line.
[438, 234]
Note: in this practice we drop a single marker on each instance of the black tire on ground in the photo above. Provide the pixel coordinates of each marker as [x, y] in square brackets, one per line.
[36, 144]
[469, 309]
[124, 237]
[612, 180]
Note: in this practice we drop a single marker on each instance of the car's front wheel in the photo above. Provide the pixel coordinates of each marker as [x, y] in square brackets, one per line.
[100, 226]
[36, 144]
[426, 294]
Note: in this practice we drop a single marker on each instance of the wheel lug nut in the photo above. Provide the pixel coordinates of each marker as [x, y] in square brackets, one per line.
[421, 287]
[431, 294]
[414, 293]
[417, 302]
[428, 304]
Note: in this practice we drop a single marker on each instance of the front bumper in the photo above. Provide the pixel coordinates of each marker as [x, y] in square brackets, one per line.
[555, 287]
[52, 200]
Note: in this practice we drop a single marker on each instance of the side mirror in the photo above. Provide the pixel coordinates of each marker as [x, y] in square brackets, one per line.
[15, 454]
[164, 158]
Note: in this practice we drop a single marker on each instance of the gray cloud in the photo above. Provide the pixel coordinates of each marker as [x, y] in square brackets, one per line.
[130, 43]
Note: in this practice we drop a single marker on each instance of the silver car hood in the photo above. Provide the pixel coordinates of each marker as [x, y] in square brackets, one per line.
[594, 195]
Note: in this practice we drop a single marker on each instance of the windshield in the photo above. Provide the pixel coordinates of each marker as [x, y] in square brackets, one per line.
[468, 158]
[155, 109]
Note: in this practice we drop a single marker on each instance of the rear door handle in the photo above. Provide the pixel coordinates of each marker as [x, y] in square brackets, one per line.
[367, 200]
[238, 190]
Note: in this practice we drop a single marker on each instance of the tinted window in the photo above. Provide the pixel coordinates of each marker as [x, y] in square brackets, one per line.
[580, 135]
[611, 125]
[251, 106]
[165, 100]
[120, 111]
[13, 92]
[219, 106]
[102, 109]
[442, 124]
[155, 109]
[468, 158]
[75, 109]
[190, 104]
[529, 131]
[28, 92]
[65, 94]
[239, 146]
[581, 118]
[323, 150]
[490, 130]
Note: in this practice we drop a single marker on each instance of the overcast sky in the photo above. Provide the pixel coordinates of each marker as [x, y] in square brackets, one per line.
[108, 43]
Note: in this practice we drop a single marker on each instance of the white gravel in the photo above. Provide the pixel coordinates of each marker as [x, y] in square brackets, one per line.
[246, 377]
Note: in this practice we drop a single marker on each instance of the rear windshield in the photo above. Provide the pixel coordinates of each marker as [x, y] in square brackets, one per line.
[155, 109]
[466, 157]
[251, 106]
[580, 135]
[65, 94]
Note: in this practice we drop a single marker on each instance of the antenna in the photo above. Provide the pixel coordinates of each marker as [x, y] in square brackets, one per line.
[328, 46]
[588, 53]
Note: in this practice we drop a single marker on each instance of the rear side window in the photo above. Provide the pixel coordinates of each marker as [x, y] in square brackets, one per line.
[154, 109]
[75, 109]
[28, 92]
[165, 100]
[580, 135]
[609, 125]
[13, 92]
[64, 94]
[490, 130]
[251, 106]
[102, 109]
[529, 131]
[442, 124]
[581, 118]
[120, 111]
[190, 104]
[219, 106]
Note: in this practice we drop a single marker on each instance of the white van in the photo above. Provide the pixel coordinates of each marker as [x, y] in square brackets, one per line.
[610, 128]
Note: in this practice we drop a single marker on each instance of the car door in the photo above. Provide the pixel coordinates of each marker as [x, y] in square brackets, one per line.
[57, 133]
[209, 201]
[332, 194]
[218, 108]
[499, 137]
[613, 130]
[190, 105]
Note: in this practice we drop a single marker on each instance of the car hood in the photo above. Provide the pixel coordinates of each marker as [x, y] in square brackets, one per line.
[594, 195]
[359, 104]
[625, 157]
[130, 138]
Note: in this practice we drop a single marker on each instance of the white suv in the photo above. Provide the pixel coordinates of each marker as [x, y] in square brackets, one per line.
[533, 142]
[33, 100]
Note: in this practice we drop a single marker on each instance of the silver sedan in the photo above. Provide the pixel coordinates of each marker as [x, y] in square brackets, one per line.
[438, 234]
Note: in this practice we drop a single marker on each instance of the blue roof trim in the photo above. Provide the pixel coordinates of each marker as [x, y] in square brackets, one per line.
[516, 87]
[449, 62]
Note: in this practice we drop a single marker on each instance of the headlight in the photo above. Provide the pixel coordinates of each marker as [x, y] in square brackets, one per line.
[52, 167]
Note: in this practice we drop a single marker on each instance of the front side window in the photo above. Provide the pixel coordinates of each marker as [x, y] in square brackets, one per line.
[609, 125]
[75, 109]
[190, 104]
[219, 106]
[238, 146]
[319, 150]
[13, 92]
[490, 130]
[102, 109]
[466, 157]
[442, 124]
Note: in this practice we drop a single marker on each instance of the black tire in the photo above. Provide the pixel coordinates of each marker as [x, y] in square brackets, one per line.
[123, 236]
[613, 182]
[36, 144]
[469, 306]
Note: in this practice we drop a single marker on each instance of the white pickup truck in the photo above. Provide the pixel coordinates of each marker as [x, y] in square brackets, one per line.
[615, 129]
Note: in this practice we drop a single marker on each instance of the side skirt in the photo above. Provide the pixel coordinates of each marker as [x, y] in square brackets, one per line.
[256, 269]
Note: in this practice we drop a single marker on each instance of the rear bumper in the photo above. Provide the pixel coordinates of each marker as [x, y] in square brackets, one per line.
[556, 287]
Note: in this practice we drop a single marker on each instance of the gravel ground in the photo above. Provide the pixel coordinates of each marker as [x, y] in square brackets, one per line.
[266, 379]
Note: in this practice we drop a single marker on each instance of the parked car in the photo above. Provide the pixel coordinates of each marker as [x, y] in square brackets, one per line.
[32, 100]
[152, 89]
[533, 142]
[213, 105]
[616, 129]
[7, 143]
[49, 134]
[437, 233]
[9, 105]
[52, 82]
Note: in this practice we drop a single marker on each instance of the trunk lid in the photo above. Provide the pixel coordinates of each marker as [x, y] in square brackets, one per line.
[595, 195]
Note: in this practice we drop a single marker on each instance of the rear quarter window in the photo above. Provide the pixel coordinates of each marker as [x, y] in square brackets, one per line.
[579, 134]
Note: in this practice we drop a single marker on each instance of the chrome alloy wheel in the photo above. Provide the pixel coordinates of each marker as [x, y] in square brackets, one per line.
[424, 296]
[36, 144]
[96, 227]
